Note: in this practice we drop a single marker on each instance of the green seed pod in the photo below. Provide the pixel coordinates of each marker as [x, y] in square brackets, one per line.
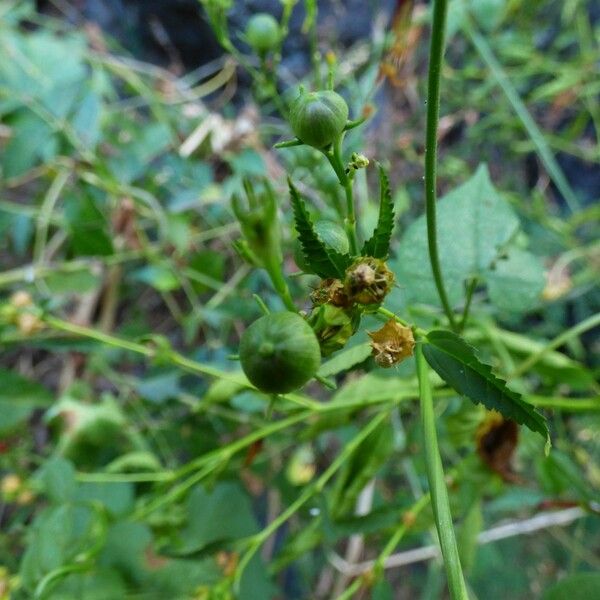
[279, 353]
[331, 234]
[263, 33]
[318, 118]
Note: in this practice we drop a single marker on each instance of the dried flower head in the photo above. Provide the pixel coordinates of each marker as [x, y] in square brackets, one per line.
[392, 343]
[330, 291]
[368, 281]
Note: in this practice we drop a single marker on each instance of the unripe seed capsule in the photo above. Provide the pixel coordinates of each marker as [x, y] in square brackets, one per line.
[279, 353]
[318, 118]
[263, 33]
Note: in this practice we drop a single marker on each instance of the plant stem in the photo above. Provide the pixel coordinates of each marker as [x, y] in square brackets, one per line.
[314, 488]
[384, 312]
[280, 284]
[436, 55]
[337, 162]
[168, 355]
[437, 486]
[564, 337]
[470, 290]
[537, 137]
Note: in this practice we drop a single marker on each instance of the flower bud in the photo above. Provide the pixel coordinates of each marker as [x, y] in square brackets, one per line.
[263, 33]
[318, 118]
[258, 221]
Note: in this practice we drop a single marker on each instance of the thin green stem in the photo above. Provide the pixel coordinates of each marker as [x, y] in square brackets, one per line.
[347, 183]
[564, 337]
[437, 486]
[565, 404]
[408, 519]
[537, 137]
[256, 541]
[384, 312]
[436, 55]
[470, 290]
[335, 159]
[274, 269]
[168, 355]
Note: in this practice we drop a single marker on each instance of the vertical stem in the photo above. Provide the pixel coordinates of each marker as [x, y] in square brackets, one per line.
[437, 485]
[470, 290]
[337, 163]
[280, 284]
[436, 55]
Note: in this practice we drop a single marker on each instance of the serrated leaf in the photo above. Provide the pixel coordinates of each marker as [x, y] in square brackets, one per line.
[324, 261]
[456, 363]
[378, 245]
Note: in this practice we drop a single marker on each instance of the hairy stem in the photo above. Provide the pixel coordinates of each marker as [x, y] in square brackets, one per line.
[436, 54]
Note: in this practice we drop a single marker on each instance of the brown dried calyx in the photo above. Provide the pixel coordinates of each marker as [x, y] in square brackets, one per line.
[330, 291]
[392, 343]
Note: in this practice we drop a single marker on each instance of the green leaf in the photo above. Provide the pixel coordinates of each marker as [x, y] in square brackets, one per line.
[224, 513]
[324, 261]
[57, 477]
[379, 243]
[88, 227]
[376, 388]
[474, 226]
[103, 584]
[579, 586]
[456, 363]
[19, 397]
[160, 276]
[86, 120]
[345, 360]
[516, 282]
[58, 534]
[559, 474]
[31, 137]
[73, 282]
[116, 497]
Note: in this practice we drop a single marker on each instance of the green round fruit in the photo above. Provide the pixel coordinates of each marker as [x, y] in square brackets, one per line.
[318, 118]
[279, 353]
[331, 234]
[263, 32]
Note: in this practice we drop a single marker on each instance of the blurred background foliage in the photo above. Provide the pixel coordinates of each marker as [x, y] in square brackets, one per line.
[119, 151]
